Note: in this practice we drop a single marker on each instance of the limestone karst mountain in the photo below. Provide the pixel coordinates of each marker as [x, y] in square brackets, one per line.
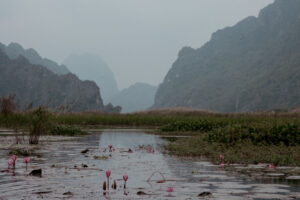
[14, 50]
[137, 97]
[254, 65]
[90, 67]
[36, 85]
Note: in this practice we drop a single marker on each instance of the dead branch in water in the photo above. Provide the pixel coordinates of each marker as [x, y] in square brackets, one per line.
[149, 179]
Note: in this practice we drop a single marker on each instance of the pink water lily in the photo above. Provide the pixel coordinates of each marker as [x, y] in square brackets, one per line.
[110, 147]
[108, 172]
[222, 164]
[14, 158]
[10, 163]
[170, 189]
[152, 151]
[271, 166]
[125, 178]
[26, 160]
[222, 157]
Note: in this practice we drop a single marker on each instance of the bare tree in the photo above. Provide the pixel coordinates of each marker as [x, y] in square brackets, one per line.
[8, 105]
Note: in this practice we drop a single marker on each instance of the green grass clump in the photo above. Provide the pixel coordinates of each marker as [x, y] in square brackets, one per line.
[39, 124]
[20, 152]
[193, 125]
[66, 131]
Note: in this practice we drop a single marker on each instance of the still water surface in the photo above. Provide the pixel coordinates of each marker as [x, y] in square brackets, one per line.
[64, 176]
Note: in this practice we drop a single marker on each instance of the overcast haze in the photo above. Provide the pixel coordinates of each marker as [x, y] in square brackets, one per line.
[138, 39]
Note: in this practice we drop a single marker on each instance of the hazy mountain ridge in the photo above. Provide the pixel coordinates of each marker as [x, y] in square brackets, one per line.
[90, 67]
[253, 65]
[137, 97]
[14, 50]
[38, 85]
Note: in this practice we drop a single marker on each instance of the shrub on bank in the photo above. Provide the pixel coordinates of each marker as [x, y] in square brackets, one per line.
[39, 124]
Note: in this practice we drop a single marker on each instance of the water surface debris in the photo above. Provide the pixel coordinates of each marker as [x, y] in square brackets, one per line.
[36, 172]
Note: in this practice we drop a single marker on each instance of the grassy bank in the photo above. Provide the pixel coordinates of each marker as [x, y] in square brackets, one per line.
[241, 153]
[270, 140]
[167, 121]
[36, 123]
[242, 138]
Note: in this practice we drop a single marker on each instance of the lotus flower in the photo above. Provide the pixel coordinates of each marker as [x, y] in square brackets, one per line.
[125, 178]
[108, 172]
[26, 160]
[14, 158]
[152, 151]
[110, 147]
[222, 164]
[170, 189]
[271, 166]
[10, 163]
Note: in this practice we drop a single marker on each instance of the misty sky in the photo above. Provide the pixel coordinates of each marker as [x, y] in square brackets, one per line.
[139, 39]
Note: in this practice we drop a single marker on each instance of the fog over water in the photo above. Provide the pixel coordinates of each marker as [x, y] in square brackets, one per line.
[139, 39]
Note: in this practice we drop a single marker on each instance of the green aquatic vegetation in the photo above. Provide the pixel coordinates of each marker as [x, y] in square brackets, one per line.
[203, 125]
[39, 122]
[287, 134]
[272, 140]
[100, 157]
[241, 153]
[242, 138]
[66, 131]
[170, 139]
[165, 122]
[38, 125]
[20, 151]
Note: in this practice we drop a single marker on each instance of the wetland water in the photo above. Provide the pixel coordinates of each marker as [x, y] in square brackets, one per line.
[64, 176]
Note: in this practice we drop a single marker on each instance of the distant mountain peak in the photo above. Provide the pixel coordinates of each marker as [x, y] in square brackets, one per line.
[14, 50]
[186, 51]
[88, 66]
[15, 46]
[137, 97]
